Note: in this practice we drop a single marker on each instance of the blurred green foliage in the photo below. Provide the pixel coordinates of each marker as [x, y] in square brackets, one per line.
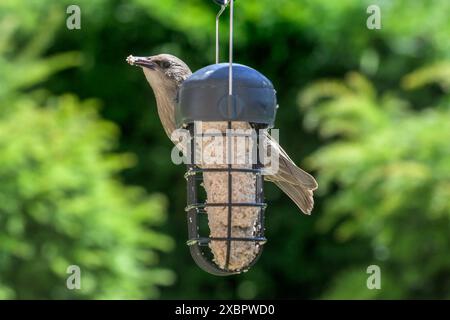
[378, 146]
[392, 169]
[61, 202]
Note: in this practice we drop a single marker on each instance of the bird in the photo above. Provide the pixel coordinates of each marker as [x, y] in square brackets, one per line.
[165, 73]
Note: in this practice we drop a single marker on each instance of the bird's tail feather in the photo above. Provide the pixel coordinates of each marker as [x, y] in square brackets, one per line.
[289, 172]
[302, 197]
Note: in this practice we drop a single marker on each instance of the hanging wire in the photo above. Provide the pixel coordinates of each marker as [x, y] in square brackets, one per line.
[222, 9]
[223, 6]
[230, 84]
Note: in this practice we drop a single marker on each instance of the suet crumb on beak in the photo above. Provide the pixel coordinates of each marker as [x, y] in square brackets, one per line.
[131, 60]
[140, 62]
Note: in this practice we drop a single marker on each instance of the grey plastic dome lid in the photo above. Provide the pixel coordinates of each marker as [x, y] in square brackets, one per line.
[204, 96]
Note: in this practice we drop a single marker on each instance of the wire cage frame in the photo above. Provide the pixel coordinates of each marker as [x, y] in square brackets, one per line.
[197, 209]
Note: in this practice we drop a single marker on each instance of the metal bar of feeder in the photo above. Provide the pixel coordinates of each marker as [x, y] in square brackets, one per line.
[195, 170]
[230, 196]
[222, 134]
[206, 240]
[259, 185]
[232, 170]
[225, 204]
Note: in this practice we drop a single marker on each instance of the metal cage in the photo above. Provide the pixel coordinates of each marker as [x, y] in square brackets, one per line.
[196, 208]
[205, 97]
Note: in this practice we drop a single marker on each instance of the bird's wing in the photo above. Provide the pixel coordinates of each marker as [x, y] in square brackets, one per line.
[295, 182]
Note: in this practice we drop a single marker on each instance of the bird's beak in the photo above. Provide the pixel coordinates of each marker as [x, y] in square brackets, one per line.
[145, 62]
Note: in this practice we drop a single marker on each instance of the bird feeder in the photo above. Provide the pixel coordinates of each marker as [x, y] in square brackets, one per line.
[237, 103]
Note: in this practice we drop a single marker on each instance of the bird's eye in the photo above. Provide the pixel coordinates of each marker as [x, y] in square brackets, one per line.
[164, 64]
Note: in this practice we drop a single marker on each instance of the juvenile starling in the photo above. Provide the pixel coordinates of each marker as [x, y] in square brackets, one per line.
[165, 73]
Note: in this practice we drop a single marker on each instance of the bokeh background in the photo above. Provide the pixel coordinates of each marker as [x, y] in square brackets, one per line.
[85, 171]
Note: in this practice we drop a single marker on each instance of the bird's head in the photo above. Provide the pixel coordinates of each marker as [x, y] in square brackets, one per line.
[163, 71]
